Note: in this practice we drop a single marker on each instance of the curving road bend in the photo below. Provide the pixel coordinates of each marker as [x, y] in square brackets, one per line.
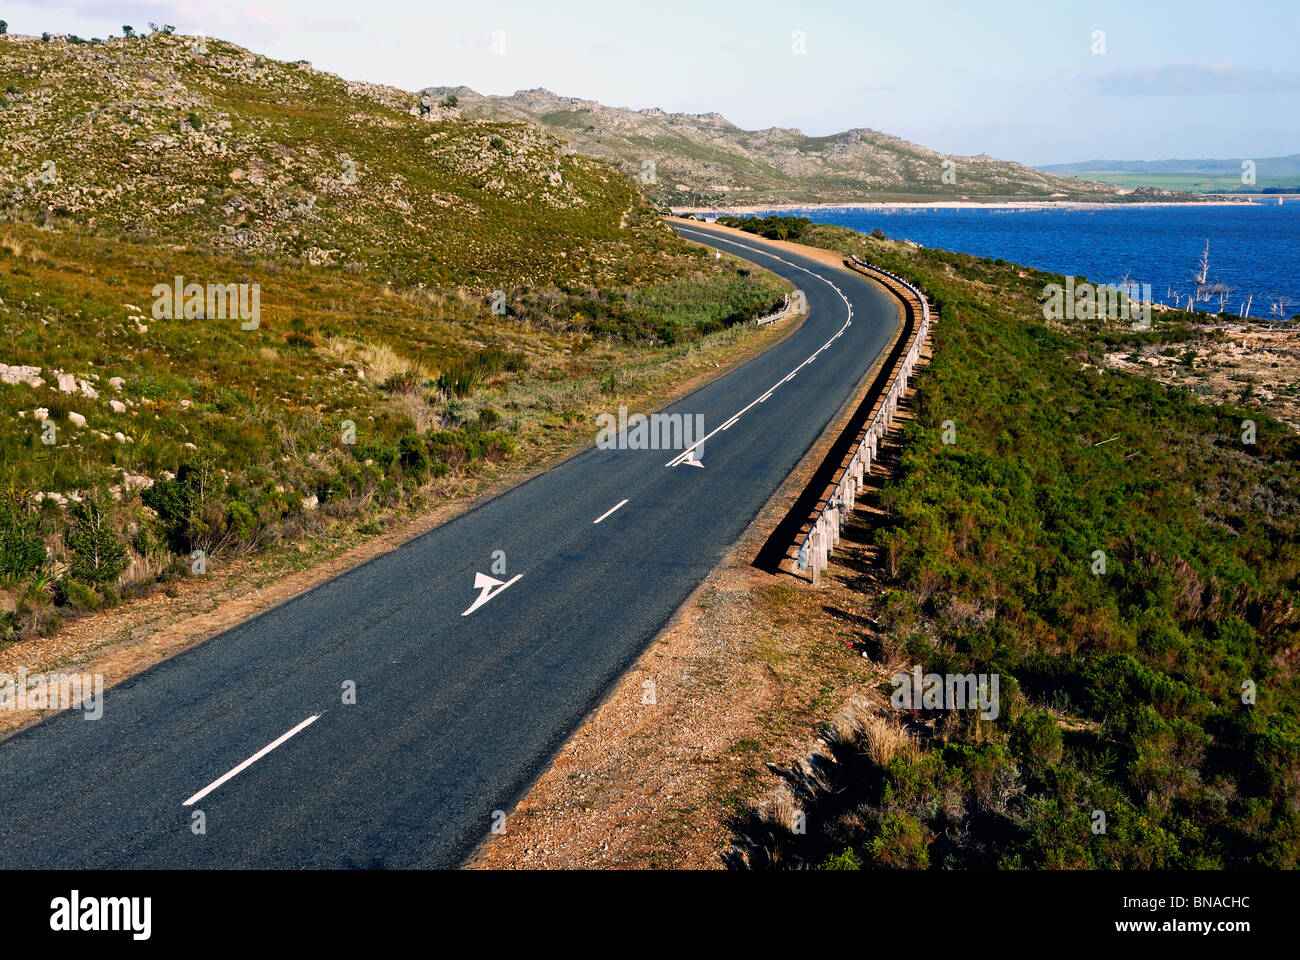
[463, 692]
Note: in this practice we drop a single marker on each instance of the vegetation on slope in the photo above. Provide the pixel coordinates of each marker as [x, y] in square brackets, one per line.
[171, 140]
[476, 293]
[1160, 693]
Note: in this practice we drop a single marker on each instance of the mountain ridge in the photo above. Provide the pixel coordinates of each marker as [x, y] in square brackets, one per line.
[692, 159]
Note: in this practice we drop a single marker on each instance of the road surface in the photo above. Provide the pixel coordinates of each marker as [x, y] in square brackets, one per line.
[457, 710]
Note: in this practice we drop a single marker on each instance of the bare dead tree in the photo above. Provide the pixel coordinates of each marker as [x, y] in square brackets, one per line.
[1203, 272]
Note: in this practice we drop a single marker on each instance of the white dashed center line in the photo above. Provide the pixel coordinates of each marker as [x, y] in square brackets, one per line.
[609, 511]
[687, 454]
[250, 761]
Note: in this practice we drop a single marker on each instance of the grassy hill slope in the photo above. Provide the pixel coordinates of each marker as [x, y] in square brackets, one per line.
[152, 139]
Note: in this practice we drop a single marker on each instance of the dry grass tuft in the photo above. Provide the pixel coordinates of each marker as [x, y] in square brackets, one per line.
[380, 361]
[882, 741]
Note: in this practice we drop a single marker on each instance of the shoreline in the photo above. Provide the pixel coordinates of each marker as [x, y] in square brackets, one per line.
[750, 209]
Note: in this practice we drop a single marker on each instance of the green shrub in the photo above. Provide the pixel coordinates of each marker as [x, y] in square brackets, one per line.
[97, 555]
[71, 593]
[844, 860]
[22, 549]
[179, 503]
[413, 454]
[1036, 740]
[241, 520]
[901, 844]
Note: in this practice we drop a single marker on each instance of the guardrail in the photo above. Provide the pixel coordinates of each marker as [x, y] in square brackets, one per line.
[925, 304]
[811, 549]
[772, 318]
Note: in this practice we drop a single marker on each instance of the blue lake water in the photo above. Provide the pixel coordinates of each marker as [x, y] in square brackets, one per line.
[1254, 248]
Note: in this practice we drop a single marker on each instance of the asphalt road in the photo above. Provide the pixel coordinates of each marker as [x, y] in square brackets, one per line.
[455, 714]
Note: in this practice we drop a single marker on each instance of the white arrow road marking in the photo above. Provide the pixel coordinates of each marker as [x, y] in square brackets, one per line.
[687, 455]
[490, 586]
[691, 459]
[250, 761]
[609, 511]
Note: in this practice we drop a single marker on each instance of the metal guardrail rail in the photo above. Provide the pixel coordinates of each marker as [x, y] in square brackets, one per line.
[774, 317]
[818, 536]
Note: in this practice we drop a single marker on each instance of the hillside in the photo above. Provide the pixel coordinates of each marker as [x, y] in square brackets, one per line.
[1196, 176]
[235, 152]
[704, 160]
[1120, 552]
[469, 299]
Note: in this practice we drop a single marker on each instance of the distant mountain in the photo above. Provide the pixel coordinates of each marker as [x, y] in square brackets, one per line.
[702, 159]
[1190, 175]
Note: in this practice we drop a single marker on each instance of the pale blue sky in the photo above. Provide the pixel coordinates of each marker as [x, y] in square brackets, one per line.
[1014, 79]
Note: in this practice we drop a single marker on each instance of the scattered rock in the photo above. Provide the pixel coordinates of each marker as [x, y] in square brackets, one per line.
[135, 481]
[21, 374]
